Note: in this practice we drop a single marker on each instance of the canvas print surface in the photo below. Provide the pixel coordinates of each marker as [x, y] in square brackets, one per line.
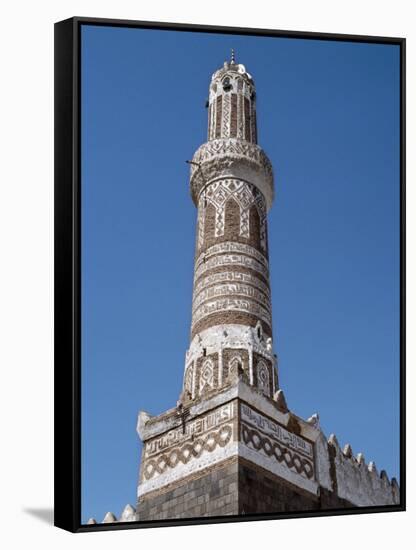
[240, 201]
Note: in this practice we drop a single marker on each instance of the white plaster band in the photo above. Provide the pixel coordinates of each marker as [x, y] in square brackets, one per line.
[193, 429]
[183, 470]
[231, 277]
[228, 336]
[231, 247]
[231, 260]
[231, 305]
[235, 158]
[231, 290]
[279, 469]
[277, 432]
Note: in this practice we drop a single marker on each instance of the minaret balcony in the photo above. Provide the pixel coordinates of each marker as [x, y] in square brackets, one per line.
[231, 158]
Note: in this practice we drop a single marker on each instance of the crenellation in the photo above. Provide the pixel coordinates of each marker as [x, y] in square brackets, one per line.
[347, 450]
[358, 482]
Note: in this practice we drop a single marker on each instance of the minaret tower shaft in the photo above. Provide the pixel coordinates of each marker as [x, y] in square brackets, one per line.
[232, 186]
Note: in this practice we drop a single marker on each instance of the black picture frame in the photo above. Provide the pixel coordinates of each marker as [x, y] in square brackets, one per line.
[68, 269]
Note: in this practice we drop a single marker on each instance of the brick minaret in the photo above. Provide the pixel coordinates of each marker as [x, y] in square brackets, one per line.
[231, 446]
[232, 187]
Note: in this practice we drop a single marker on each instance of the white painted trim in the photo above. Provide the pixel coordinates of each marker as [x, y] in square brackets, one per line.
[183, 470]
[277, 468]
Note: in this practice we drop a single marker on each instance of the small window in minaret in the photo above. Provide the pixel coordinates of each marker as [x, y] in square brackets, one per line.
[226, 85]
[259, 330]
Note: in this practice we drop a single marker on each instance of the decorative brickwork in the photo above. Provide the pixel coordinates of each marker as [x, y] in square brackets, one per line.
[224, 158]
[232, 186]
[231, 210]
[218, 117]
[247, 121]
[213, 493]
[206, 377]
[228, 317]
[236, 362]
[233, 127]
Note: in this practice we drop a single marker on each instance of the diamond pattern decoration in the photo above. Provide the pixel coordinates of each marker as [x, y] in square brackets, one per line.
[245, 195]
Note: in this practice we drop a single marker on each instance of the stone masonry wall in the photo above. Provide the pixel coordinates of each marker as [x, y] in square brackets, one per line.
[214, 493]
[261, 492]
[236, 487]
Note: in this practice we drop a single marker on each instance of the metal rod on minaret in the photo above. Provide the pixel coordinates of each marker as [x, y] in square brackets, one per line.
[232, 56]
[199, 167]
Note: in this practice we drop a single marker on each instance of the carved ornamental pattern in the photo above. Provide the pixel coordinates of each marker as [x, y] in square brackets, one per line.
[230, 277]
[255, 439]
[206, 380]
[231, 260]
[232, 146]
[189, 379]
[201, 436]
[246, 195]
[232, 304]
[229, 246]
[262, 434]
[231, 289]
[219, 156]
[188, 451]
[263, 378]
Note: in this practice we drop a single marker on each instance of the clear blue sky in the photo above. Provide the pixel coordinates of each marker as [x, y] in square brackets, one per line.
[328, 118]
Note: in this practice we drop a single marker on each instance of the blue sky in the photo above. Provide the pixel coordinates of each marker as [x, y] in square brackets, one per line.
[328, 118]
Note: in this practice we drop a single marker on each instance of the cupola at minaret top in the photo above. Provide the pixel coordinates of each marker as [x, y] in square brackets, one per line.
[231, 148]
[232, 92]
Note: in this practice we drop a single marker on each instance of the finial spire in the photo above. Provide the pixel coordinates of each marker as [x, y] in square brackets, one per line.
[232, 56]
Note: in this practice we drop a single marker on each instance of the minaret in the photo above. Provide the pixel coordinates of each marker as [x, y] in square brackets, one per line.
[232, 187]
[231, 445]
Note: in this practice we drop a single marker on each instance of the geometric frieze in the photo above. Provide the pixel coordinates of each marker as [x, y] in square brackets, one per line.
[263, 378]
[272, 449]
[197, 444]
[230, 289]
[207, 375]
[244, 194]
[231, 304]
[276, 431]
[219, 434]
[232, 159]
[228, 260]
[193, 429]
[232, 147]
[233, 277]
[276, 443]
[226, 115]
[188, 451]
[230, 246]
